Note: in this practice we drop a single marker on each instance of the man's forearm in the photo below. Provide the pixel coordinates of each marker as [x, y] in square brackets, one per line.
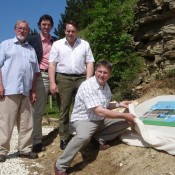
[90, 70]
[1, 82]
[51, 71]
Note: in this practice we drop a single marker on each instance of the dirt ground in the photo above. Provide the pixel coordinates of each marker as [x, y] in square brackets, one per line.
[119, 159]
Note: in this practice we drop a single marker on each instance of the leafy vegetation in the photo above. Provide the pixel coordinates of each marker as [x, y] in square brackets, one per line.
[107, 25]
[166, 74]
[51, 107]
[33, 32]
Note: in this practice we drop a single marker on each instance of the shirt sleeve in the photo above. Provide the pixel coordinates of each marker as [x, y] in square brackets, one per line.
[37, 69]
[2, 54]
[54, 54]
[89, 55]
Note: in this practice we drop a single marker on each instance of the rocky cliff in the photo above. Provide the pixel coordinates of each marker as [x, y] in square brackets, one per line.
[155, 35]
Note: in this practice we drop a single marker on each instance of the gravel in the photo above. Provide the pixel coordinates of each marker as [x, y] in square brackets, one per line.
[15, 165]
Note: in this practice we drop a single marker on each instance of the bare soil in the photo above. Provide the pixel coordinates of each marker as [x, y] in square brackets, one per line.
[119, 159]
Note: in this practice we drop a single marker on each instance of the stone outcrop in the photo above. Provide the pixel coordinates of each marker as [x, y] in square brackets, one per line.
[155, 35]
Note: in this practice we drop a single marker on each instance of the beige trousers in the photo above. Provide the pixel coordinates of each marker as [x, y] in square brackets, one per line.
[16, 109]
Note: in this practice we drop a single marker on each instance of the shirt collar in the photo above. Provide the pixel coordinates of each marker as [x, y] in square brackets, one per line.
[15, 40]
[43, 38]
[76, 42]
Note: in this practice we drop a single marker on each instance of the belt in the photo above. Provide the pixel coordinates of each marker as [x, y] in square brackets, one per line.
[43, 70]
[72, 75]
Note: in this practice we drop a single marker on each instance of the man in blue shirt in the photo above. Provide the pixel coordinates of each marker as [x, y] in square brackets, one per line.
[18, 68]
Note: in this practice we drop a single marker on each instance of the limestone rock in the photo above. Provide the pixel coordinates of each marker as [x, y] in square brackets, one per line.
[155, 36]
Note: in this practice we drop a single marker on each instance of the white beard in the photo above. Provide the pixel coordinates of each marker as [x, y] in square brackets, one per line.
[21, 38]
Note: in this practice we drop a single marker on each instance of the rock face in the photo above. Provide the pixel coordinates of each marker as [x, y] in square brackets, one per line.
[155, 35]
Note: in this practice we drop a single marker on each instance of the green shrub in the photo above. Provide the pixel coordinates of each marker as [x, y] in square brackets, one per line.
[51, 110]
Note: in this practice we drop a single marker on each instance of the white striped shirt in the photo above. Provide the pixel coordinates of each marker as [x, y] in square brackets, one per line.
[90, 94]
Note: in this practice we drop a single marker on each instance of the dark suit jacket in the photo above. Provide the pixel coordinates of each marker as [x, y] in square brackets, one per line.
[35, 42]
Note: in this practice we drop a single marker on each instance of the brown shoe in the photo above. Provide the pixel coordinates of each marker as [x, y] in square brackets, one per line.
[58, 172]
[99, 146]
[104, 147]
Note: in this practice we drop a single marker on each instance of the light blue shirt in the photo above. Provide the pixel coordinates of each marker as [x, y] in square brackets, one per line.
[18, 64]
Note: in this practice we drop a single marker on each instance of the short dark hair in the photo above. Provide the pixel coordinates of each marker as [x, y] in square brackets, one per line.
[105, 64]
[74, 23]
[45, 17]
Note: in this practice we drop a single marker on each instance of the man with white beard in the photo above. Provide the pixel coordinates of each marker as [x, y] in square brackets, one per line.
[18, 68]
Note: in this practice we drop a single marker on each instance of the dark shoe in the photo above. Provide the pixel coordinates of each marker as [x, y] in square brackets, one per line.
[30, 155]
[58, 172]
[2, 158]
[38, 148]
[63, 144]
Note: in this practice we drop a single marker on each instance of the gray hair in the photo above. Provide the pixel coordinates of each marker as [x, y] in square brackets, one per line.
[21, 21]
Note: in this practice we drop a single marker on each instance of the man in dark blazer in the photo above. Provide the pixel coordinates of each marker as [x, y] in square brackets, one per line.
[42, 44]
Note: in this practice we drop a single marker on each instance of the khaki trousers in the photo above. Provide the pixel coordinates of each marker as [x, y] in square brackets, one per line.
[104, 130]
[16, 109]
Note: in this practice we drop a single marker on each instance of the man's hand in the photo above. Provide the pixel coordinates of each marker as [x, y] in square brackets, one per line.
[53, 88]
[125, 104]
[2, 91]
[32, 97]
[129, 117]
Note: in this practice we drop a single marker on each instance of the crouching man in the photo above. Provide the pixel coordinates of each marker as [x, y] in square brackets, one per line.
[92, 116]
